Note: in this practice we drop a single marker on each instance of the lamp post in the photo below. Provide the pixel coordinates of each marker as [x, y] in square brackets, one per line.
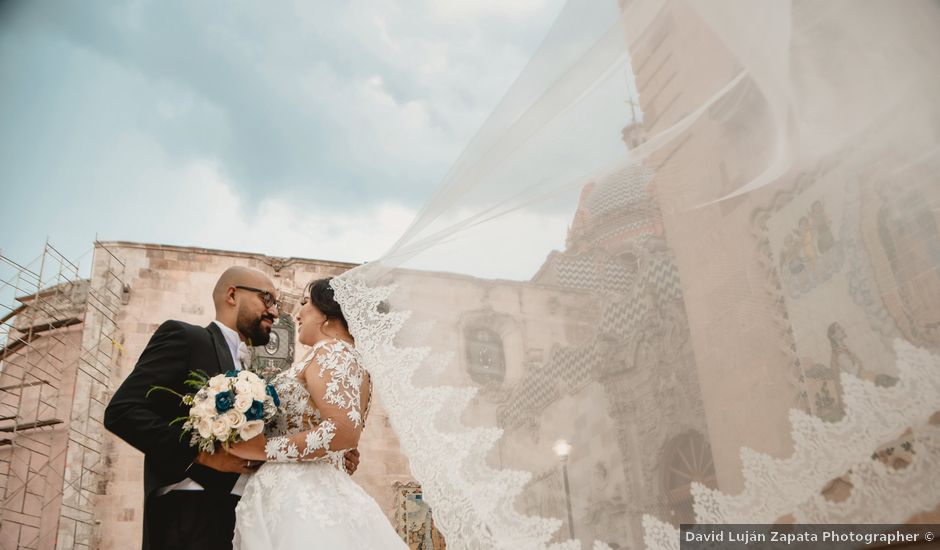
[562, 448]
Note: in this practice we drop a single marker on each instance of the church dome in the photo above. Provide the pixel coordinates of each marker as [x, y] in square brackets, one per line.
[621, 189]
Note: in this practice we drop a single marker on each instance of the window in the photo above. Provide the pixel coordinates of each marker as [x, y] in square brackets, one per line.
[486, 362]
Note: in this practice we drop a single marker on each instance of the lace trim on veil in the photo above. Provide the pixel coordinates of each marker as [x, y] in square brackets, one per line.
[473, 503]
[826, 450]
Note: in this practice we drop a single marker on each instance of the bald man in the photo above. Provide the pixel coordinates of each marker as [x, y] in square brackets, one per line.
[190, 496]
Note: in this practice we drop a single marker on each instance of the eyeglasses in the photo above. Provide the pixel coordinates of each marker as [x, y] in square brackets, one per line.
[267, 298]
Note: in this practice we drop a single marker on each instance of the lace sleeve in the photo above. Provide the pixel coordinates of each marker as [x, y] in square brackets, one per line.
[336, 388]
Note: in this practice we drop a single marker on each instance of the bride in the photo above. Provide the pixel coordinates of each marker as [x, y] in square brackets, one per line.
[302, 494]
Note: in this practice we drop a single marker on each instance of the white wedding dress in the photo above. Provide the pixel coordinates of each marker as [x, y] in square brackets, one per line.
[302, 498]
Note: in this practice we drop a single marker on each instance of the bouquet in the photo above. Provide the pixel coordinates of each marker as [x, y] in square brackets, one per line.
[227, 408]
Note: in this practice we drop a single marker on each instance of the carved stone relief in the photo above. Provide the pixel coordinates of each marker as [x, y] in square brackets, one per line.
[904, 247]
[813, 238]
[278, 355]
[414, 521]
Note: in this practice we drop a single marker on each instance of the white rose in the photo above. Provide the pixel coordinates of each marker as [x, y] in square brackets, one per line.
[244, 374]
[203, 400]
[258, 390]
[208, 408]
[204, 427]
[243, 402]
[196, 413]
[202, 410]
[235, 418]
[243, 386]
[221, 427]
[218, 383]
[251, 429]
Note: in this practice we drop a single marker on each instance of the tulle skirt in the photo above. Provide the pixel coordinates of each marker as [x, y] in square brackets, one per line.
[309, 505]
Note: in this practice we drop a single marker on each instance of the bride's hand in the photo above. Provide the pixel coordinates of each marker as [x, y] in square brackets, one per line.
[253, 449]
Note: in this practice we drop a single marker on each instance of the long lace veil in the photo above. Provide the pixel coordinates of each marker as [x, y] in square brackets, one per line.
[688, 270]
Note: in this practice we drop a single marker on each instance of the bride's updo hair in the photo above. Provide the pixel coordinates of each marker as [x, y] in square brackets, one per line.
[321, 296]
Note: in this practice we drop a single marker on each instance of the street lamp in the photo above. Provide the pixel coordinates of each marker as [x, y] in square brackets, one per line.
[562, 448]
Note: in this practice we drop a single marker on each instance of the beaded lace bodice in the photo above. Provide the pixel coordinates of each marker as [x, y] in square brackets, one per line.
[325, 426]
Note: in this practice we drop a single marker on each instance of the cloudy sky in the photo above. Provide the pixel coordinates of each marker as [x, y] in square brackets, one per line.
[312, 129]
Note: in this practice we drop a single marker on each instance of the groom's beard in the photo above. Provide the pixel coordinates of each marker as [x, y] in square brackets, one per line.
[253, 330]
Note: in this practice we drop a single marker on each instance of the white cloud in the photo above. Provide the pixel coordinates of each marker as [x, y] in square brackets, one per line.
[278, 226]
[213, 215]
[476, 9]
[339, 118]
[512, 247]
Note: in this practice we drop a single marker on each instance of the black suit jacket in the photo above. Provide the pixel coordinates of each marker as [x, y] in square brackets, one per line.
[175, 349]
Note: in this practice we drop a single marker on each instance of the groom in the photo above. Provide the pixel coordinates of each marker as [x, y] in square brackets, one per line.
[190, 496]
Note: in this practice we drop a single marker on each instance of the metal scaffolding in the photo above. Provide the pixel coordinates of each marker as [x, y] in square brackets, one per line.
[56, 333]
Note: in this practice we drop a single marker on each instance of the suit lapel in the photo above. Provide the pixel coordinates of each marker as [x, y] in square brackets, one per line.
[222, 353]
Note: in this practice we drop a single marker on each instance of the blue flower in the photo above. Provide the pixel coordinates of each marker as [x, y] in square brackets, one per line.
[231, 374]
[270, 391]
[224, 400]
[256, 411]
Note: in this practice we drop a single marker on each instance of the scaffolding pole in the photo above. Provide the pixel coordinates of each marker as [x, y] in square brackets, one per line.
[56, 334]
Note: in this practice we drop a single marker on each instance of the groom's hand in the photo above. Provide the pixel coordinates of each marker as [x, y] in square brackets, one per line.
[224, 461]
[351, 459]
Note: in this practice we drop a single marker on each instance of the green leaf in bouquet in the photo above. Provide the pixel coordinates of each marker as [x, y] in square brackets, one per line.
[164, 388]
[179, 419]
[199, 375]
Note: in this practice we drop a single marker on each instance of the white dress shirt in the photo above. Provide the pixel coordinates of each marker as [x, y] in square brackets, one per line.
[239, 352]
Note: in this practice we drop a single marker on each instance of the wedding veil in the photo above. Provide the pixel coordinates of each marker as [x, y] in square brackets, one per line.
[687, 271]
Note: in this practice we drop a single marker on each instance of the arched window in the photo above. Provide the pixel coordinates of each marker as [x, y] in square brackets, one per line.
[688, 458]
[486, 362]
